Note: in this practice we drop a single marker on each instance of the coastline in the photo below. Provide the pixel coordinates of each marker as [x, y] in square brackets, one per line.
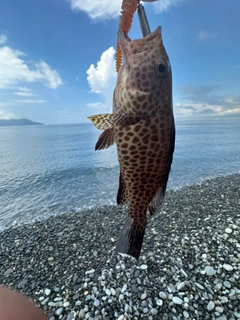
[189, 267]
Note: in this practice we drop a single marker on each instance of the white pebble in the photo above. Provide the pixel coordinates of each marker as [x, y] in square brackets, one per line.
[154, 311]
[96, 303]
[51, 304]
[90, 271]
[47, 292]
[143, 267]
[59, 311]
[113, 291]
[57, 299]
[162, 295]
[210, 271]
[228, 230]
[159, 302]
[219, 309]
[177, 300]
[185, 314]
[143, 296]
[210, 305]
[124, 288]
[227, 267]
[184, 273]
[180, 286]
[66, 304]
[108, 292]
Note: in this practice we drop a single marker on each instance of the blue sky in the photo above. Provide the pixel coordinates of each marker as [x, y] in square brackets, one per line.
[57, 56]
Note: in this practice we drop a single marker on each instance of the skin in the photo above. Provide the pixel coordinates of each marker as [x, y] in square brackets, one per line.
[144, 149]
[15, 306]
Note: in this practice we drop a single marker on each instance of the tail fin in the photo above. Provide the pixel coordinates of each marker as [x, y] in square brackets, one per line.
[130, 239]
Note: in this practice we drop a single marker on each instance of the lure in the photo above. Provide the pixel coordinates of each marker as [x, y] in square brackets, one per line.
[127, 11]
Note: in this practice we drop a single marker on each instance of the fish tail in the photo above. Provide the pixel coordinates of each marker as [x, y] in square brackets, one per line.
[131, 238]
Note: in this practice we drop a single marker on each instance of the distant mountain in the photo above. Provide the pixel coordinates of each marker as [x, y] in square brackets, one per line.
[18, 122]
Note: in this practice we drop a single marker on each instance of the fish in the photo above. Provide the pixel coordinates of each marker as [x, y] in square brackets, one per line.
[143, 128]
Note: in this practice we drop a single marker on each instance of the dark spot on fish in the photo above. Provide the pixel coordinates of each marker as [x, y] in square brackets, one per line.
[135, 140]
[147, 137]
[145, 105]
[146, 83]
[128, 105]
[155, 137]
[137, 128]
[124, 145]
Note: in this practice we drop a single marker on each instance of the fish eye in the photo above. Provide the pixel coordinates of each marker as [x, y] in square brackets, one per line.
[161, 68]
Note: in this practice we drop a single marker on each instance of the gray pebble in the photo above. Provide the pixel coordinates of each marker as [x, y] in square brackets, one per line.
[96, 303]
[177, 300]
[59, 311]
[210, 306]
[162, 295]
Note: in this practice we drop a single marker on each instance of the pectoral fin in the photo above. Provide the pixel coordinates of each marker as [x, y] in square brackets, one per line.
[110, 120]
[106, 139]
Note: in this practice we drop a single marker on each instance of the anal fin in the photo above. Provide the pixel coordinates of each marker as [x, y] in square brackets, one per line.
[106, 139]
[122, 197]
[157, 201]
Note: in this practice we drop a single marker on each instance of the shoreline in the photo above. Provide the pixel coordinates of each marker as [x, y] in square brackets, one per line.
[189, 267]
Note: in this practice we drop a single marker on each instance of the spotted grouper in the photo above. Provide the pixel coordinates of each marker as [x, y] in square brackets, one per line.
[142, 126]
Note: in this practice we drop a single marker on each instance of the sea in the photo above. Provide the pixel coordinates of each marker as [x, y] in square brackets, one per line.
[48, 170]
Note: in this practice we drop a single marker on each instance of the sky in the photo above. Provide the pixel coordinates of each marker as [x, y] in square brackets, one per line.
[57, 62]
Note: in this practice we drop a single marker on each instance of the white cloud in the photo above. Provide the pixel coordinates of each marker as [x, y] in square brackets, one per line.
[205, 36]
[164, 5]
[6, 115]
[98, 9]
[3, 38]
[24, 92]
[97, 105]
[15, 101]
[15, 70]
[24, 89]
[201, 100]
[106, 9]
[102, 78]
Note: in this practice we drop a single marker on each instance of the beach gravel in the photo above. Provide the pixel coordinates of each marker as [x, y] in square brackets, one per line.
[189, 267]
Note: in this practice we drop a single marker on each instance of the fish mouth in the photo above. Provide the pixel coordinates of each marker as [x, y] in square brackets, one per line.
[140, 46]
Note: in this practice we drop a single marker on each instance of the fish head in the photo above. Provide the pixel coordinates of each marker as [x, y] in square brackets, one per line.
[144, 80]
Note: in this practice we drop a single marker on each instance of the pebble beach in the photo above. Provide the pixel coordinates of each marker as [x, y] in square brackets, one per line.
[189, 266]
